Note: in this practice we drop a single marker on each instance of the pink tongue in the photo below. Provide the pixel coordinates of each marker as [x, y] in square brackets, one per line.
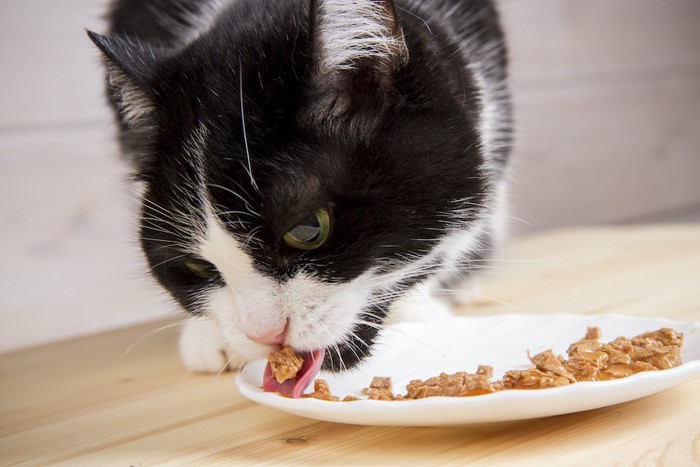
[294, 388]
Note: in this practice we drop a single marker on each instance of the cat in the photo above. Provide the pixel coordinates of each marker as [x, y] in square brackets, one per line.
[310, 168]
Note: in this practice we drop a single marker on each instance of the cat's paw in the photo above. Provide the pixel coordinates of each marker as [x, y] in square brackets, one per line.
[419, 307]
[203, 347]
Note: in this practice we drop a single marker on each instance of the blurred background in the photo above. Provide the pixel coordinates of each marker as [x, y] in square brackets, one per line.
[607, 100]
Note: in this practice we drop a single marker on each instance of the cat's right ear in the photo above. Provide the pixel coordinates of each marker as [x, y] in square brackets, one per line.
[357, 38]
[129, 65]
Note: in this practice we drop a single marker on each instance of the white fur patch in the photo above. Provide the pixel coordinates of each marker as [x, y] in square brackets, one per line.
[493, 94]
[419, 304]
[353, 30]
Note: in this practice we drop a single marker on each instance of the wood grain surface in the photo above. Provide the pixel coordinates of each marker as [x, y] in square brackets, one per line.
[122, 398]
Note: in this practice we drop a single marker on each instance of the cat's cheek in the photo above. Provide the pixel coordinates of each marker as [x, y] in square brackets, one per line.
[321, 314]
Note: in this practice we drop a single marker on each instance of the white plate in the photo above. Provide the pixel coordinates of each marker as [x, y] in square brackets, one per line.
[419, 350]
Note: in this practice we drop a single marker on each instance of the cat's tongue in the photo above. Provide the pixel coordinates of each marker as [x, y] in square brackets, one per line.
[294, 388]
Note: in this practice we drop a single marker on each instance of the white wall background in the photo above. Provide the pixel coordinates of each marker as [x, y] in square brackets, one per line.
[607, 97]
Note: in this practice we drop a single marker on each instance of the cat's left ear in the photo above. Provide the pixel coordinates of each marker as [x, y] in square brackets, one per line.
[357, 37]
[129, 64]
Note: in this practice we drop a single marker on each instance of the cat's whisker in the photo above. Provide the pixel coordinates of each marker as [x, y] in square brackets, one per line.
[509, 305]
[150, 226]
[144, 337]
[245, 201]
[163, 263]
[240, 213]
[225, 367]
[245, 134]
[251, 235]
[340, 358]
[174, 214]
[349, 344]
[368, 324]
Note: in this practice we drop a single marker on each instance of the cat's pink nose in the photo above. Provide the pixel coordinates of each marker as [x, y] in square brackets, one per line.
[275, 337]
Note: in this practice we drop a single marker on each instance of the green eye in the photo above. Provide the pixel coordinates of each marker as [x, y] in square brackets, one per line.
[311, 233]
[201, 269]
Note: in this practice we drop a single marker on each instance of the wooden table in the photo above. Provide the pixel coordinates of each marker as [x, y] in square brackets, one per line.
[87, 402]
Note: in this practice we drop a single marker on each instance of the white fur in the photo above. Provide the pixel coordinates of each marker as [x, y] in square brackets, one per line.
[353, 30]
[493, 96]
[481, 61]
[135, 106]
[204, 349]
[419, 304]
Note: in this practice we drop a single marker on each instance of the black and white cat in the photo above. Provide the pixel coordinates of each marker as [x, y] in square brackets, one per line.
[310, 167]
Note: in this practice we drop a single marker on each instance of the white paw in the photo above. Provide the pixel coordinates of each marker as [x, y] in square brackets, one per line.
[419, 305]
[203, 348]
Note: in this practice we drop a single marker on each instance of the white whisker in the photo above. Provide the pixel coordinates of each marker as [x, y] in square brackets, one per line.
[144, 337]
[245, 134]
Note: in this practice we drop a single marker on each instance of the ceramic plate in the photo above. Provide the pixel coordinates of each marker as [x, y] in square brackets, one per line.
[408, 351]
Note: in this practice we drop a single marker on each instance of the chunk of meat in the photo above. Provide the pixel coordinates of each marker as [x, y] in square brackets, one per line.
[322, 391]
[590, 360]
[285, 364]
[584, 366]
[381, 382]
[533, 379]
[485, 370]
[457, 385]
[665, 336]
[592, 334]
[548, 362]
[380, 389]
[623, 370]
[379, 394]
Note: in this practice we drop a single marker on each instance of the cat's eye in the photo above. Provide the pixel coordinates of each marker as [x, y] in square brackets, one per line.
[311, 233]
[201, 269]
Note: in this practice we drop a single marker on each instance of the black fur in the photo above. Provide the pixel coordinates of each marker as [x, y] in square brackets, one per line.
[389, 154]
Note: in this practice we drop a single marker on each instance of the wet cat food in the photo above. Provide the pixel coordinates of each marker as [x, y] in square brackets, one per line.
[588, 360]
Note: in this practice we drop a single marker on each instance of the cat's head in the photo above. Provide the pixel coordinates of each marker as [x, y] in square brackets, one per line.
[302, 167]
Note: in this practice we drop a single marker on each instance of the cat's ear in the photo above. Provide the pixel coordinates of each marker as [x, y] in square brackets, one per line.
[357, 37]
[129, 65]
